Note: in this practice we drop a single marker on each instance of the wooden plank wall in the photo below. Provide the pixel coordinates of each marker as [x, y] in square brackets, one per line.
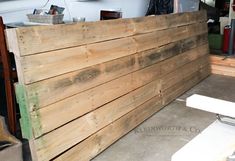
[222, 65]
[83, 86]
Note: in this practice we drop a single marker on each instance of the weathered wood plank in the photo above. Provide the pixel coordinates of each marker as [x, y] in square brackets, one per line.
[175, 62]
[39, 39]
[98, 76]
[35, 67]
[95, 120]
[188, 82]
[52, 90]
[101, 140]
[223, 70]
[222, 60]
[49, 145]
[181, 73]
[89, 100]
[222, 65]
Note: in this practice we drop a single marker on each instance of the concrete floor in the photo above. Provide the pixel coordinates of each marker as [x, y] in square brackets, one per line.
[158, 138]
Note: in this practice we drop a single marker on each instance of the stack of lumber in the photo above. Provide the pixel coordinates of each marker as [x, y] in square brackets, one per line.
[83, 86]
[222, 65]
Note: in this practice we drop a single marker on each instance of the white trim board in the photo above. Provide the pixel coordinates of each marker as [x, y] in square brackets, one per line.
[212, 105]
[215, 143]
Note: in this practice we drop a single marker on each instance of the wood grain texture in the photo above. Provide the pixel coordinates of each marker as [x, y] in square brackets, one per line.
[48, 38]
[222, 60]
[223, 70]
[222, 65]
[55, 89]
[96, 143]
[35, 67]
[89, 100]
[92, 99]
[101, 140]
[179, 74]
[111, 75]
[78, 130]
[85, 126]
[188, 82]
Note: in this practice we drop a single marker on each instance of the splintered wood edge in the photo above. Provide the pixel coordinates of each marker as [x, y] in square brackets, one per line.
[12, 41]
[13, 46]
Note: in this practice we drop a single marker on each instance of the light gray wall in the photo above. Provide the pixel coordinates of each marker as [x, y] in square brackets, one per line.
[12, 10]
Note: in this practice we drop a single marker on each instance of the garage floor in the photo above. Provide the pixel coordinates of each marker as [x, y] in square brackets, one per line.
[162, 135]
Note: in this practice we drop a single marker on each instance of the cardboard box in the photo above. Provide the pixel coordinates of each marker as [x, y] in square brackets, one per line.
[11, 153]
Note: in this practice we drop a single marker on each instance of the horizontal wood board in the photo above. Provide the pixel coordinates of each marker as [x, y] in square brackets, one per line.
[102, 74]
[79, 129]
[222, 65]
[101, 140]
[91, 99]
[49, 38]
[58, 88]
[35, 67]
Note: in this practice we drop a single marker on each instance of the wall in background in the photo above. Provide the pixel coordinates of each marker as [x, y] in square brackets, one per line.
[11, 11]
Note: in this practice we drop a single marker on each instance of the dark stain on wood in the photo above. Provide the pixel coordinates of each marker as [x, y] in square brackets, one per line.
[159, 55]
[87, 75]
[202, 38]
[172, 51]
[82, 77]
[63, 83]
[188, 44]
[120, 65]
[154, 56]
[149, 58]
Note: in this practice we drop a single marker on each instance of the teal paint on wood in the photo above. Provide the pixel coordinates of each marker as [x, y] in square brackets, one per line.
[25, 121]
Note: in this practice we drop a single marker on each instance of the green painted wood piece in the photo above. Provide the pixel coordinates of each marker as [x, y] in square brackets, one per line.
[29, 122]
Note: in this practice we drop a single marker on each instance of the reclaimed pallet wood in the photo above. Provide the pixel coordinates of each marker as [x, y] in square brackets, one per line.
[76, 86]
[49, 38]
[35, 68]
[58, 88]
[222, 65]
[180, 88]
[80, 105]
[223, 70]
[101, 140]
[98, 96]
[93, 121]
[179, 74]
[222, 60]
[85, 126]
